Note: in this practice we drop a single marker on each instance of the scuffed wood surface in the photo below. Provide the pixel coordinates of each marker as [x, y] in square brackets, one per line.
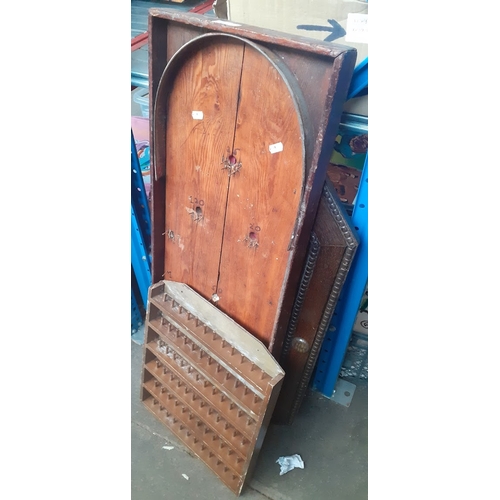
[264, 198]
[206, 84]
[253, 32]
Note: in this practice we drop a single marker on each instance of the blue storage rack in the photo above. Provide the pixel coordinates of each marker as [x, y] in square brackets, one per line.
[140, 240]
[340, 329]
[339, 332]
[359, 80]
[139, 199]
[136, 316]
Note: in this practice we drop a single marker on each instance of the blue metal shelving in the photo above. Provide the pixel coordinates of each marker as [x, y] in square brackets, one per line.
[139, 199]
[141, 260]
[337, 339]
[359, 80]
[136, 317]
[140, 239]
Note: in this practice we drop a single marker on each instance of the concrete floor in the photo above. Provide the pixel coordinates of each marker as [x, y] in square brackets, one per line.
[331, 439]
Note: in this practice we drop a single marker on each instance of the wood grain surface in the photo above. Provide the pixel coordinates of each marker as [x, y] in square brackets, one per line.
[196, 186]
[234, 179]
[264, 197]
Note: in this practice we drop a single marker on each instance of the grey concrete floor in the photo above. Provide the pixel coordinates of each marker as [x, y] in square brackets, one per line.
[331, 439]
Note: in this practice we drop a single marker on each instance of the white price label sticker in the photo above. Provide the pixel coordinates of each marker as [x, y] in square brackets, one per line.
[276, 148]
[357, 28]
[197, 115]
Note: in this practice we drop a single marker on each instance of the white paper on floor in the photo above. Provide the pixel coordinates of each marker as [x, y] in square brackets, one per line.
[289, 463]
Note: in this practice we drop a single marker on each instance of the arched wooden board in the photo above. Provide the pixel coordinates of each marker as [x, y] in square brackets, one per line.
[264, 196]
[200, 113]
[228, 229]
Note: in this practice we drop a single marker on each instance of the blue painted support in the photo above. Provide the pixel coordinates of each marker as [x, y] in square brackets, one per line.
[136, 318]
[141, 260]
[359, 80]
[337, 338]
[139, 199]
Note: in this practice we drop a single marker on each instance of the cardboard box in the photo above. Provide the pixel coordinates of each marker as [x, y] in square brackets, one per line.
[339, 21]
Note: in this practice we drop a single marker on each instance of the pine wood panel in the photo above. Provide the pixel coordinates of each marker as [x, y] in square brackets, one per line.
[264, 197]
[196, 188]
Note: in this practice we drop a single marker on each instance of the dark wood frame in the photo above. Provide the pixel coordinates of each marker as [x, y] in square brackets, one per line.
[323, 72]
[330, 254]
